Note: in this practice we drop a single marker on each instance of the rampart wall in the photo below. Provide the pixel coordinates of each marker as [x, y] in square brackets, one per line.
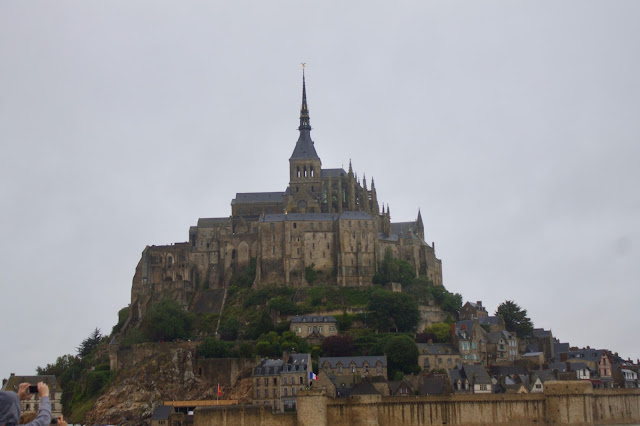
[570, 403]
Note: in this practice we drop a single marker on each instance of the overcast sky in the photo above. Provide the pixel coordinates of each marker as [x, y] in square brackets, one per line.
[513, 126]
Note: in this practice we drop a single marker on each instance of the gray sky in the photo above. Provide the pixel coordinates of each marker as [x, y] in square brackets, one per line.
[512, 125]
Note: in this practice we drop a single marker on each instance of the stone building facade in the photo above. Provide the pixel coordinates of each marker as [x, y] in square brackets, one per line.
[327, 219]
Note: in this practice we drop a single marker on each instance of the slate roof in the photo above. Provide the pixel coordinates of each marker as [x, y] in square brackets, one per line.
[333, 173]
[403, 229]
[560, 366]
[476, 374]
[358, 360]
[304, 149]
[313, 318]
[258, 197]
[575, 366]
[212, 221]
[394, 387]
[268, 367]
[530, 354]
[297, 362]
[432, 386]
[364, 388]
[49, 379]
[506, 370]
[162, 412]
[541, 333]
[356, 215]
[592, 355]
[437, 349]
[544, 375]
[496, 336]
[299, 217]
[490, 320]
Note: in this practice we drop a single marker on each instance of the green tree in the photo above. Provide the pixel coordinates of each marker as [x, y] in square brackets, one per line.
[402, 355]
[393, 310]
[167, 320]
[213, 348]
[394, 270]
[515, 318]
[441, 330]
[90, 343]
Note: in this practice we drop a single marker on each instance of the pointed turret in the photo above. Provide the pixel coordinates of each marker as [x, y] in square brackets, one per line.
[419, 228]
[375, 207]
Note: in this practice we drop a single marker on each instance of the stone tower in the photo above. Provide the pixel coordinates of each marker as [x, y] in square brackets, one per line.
[305, 168]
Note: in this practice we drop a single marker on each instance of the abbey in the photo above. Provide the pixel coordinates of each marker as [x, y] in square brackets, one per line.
[326, 219]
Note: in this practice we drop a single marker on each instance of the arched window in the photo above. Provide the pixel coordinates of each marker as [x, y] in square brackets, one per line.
[311, 168]
[305, 171]
[169, 260]
[298, 171]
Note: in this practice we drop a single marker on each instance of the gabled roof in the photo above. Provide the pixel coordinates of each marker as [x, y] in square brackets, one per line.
[476, 374]
[490, 320]
[333, 173]
[432, 386]
[561, 367]
[395, 386]
[437, 349]
[297, 362]
[356, 215]
[268, 367]
[209, 222]
[313, 319]
[506, 370]
[258, 197]
[359, 361]
[49, 379]
[364, 388]
[496, 336]
[162, 412]
[575, 366]
[299, 217]
[592, 355]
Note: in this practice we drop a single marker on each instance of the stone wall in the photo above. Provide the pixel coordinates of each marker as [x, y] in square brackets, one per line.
[570, 402]
[225, 371]
[242, 415]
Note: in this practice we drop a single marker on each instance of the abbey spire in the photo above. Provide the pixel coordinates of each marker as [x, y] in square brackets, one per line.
[304, 147]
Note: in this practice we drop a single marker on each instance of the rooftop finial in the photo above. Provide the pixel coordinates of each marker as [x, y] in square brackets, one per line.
[304, 109]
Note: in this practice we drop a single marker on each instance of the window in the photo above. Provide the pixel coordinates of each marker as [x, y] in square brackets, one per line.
[258, 382]
[301, 380]
[483, 387]
[293, 391]
[295, 225]
[284, 391]
[275, 393]
[275, 381]
[266, 381]
[258, 393]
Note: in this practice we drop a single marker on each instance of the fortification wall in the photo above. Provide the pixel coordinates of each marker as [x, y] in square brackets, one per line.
[569, 403]
[242, 415]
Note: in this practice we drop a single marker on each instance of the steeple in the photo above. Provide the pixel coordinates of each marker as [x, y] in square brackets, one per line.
[304, 149]
[304, 109]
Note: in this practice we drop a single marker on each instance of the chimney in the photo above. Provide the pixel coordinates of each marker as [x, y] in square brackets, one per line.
[479, 302]
[285, 356]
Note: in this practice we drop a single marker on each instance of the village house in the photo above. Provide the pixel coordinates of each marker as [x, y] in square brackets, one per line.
[276, 382]
[471, 341]
[470, 379]
[318, 326]
[472, 310]
[436, 356]
[33, 402]
[502, 347]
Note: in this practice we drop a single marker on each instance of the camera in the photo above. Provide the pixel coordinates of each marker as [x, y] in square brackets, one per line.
[33, 389]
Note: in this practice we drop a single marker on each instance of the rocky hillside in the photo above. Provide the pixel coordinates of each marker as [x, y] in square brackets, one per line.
[137, 391]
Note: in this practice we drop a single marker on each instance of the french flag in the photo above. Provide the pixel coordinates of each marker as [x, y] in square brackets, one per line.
[312, 376]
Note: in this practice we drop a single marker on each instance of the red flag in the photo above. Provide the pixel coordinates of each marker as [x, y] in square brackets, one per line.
[219, 390]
